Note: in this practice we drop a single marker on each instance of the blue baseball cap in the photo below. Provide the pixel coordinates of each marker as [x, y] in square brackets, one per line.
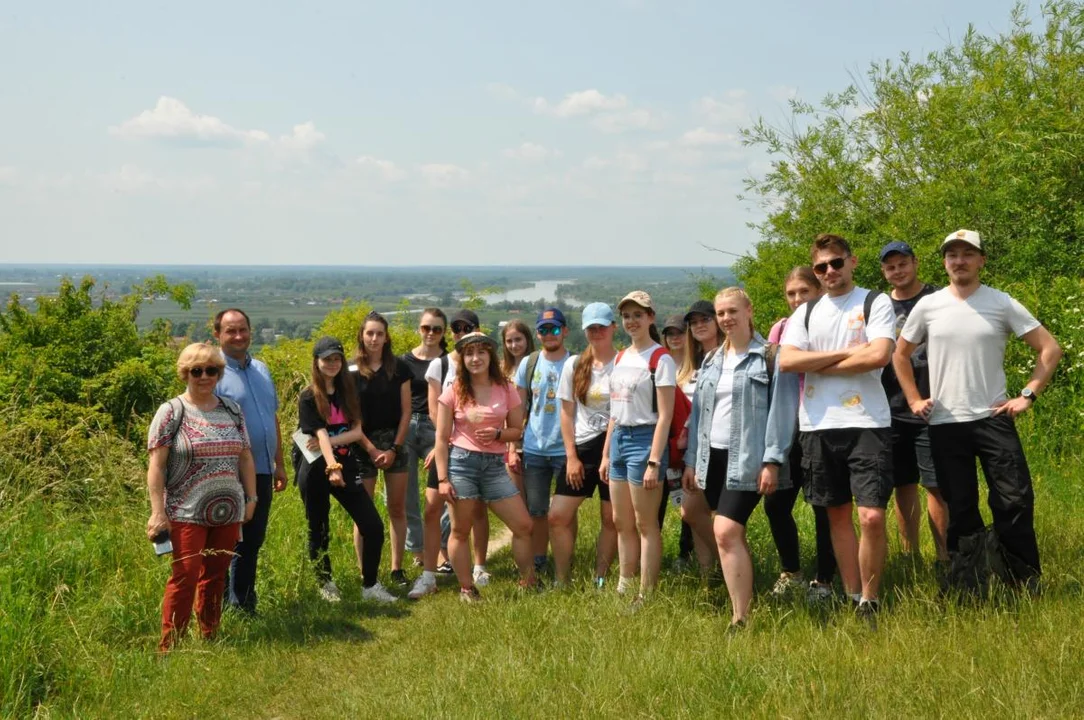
[597, 313]
[550, 316]
[896, 246]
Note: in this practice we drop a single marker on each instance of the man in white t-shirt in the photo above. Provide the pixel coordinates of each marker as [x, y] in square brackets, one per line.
[965, 328]
[844, 418]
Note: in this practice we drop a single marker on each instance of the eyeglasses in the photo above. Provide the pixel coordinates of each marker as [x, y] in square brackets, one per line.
[554, 330]
[835, 263]
[437, 329]
[462, 327]
[197, 372]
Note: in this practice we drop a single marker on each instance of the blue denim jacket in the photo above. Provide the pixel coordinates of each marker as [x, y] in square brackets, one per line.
[762, 423]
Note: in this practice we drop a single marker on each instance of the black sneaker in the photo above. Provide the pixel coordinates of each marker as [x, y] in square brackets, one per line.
[736, 627]
[445, 568]
[867, 610]
[398, 577]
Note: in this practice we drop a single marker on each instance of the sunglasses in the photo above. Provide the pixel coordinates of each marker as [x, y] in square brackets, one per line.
[834, 263]
[554, 330]
[462, 327]
[438, 329]
[197, 372]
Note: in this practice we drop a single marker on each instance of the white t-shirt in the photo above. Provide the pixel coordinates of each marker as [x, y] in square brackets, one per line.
[842, 401]
[592, 416]
[630, 386]
[965, 346]
[433, 373]
[724, 401]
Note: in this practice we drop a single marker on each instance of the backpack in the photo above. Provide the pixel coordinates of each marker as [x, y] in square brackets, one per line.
[532, 363]
[679, 430]
[867, 307]
[443, 368]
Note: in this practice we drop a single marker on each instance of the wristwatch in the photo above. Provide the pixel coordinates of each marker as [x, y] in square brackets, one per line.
[1029, 394]
[398, 449]
[653, 464]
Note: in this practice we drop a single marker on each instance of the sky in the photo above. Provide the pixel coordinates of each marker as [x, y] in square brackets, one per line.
[476, 132]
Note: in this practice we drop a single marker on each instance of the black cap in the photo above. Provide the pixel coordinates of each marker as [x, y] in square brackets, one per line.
[700, 307]
[674, 322]
[466, 316]
[327, 346]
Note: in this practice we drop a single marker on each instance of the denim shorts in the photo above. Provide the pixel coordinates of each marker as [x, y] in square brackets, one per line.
[538, 474]
[479, 476]
[630, 449]
[384, 439]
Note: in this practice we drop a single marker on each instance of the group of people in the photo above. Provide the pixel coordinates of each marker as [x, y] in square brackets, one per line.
[856, 396]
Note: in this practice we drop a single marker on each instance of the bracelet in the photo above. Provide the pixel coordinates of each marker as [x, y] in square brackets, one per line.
[398, 449]
[439, 482]
[250, 499]
[332, 467]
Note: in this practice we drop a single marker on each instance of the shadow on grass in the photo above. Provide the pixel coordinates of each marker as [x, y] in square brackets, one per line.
[303, 623]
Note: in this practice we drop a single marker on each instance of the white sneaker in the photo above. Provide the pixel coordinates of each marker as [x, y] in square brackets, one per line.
[624, 584]
[481, 577]
[422, 587]
[818, 592]
[330, 592]
[378, 593]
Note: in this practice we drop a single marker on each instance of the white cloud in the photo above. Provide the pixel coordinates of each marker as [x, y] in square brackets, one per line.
[130, 180]
[583, 102]
[171, 120]
[730, 110]
[443, 175]
[386, 168]
[701, 136]
[531, 152]
[303, 138]
[639, 119]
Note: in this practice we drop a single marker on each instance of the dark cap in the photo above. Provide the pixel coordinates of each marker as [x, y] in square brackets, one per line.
[674, 322]
[466, 316]
[550, 316]
[475, 337]
[896, 246]
[700, 307]
[326, 347]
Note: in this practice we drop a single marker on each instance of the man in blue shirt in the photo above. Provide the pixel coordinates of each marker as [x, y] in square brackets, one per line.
[247, 381]
[543, 448]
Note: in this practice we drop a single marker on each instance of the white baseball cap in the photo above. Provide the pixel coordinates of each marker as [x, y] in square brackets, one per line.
[970, 237]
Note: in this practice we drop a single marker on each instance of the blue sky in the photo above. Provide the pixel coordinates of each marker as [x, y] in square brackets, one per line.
[593, 132]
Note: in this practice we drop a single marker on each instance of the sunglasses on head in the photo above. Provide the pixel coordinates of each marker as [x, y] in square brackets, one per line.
[462, 327]
[438, 329]
[197, 372]
[834, 263]
[550, 330]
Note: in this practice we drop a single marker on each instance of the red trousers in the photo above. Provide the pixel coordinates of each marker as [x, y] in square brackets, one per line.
[201, 558]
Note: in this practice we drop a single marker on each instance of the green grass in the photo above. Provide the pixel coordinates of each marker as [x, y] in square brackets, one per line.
[80, 597]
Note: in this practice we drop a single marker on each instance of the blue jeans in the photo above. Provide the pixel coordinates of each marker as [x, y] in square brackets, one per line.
[242, 579]
[479, 476]
[419, 442]
[630, 449]
[538, 474]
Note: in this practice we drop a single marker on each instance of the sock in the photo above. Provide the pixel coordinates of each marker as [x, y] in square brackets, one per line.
[857, 597]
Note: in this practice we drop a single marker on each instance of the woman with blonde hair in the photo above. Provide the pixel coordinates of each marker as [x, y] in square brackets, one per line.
[740, 431]
[201, 480]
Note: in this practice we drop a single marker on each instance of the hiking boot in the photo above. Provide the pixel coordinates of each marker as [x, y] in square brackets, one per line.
[398, 577]
[424, 585]
[378, 593]
[786, 583]
[329, 591]
[818, 592]
[470, 595]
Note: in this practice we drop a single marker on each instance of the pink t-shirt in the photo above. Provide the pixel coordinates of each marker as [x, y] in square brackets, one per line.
[473, 417]
[776, 333]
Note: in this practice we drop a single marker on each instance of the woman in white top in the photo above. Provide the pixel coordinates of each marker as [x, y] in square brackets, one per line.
[642, 390]
[584, 391]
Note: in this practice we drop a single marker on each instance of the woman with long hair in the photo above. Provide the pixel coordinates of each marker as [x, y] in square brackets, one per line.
[517, 342]
[202, 485]
[328, 408]
[477, 417]
[383, 386]
[800, 286]
[635, 455]
[421, 436]
[584, 391]
[741, 428]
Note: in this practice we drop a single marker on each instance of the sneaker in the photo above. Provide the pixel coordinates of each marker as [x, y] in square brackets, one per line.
[398, 577]
[681, 564]
[786, 583]
[470, 595]
[624, 585]
[422, 586]
[636, 605]
[378, 593]
[330, 592]
[533, 585]
[867, 610]
[818, 592]
[736, 627]
[540, 565]
[417, 562]
[445, 568]
[481, 578]
[600, 583]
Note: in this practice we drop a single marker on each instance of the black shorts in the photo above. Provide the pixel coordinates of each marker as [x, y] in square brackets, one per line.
[433, 482]
[384, 439]
[590, 454]
[848, 464]
[912, 459]
[715, 482]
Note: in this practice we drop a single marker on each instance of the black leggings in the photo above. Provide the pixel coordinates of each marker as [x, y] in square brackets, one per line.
[779, 507]
[685, 541]
[316, 493]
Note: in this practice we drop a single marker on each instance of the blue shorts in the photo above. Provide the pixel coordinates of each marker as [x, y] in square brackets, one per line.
[538, 474]
[479, 476]
[630, 449]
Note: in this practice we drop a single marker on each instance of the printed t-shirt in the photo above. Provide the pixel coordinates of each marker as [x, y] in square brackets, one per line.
[310, 420]
[630, 386]
[593, 416]
[542, 435]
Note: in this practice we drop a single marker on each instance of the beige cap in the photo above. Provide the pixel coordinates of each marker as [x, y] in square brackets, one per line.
[639, 297]
[966, 236]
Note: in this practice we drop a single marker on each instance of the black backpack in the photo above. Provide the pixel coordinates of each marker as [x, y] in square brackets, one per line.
[532, 363]
[867, 306]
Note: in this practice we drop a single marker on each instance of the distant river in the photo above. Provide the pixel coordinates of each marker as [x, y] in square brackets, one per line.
[544, 290]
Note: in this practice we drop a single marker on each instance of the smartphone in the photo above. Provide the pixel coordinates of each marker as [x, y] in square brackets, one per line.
[162, 544]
